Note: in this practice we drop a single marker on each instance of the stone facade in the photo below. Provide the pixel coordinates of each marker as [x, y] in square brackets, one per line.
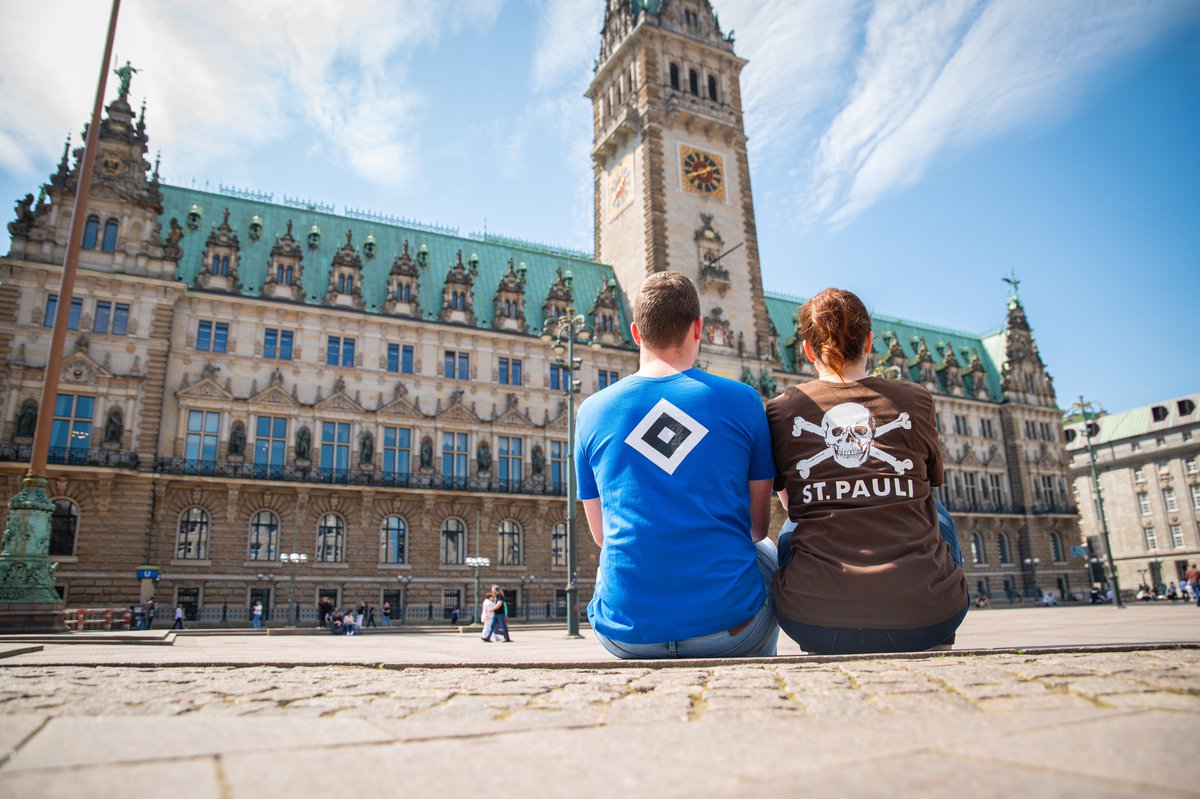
[1148, 466]
[376, 396]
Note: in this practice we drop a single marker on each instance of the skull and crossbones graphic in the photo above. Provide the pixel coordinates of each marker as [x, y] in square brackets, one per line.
[849, 431]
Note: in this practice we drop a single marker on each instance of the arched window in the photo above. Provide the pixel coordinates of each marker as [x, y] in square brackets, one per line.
[674, 76]
[331, 539]
[64, 525]
[216, 265]
[693, 82]
[978, 553]
[1056, 547]
[264, 536]
[558, 545]
[510, 543]
[91, 232]
[712, 88]
[191, 542]
[224, 264]
[1002, 545]
[110, 236]
[454, 542]
[393, 540]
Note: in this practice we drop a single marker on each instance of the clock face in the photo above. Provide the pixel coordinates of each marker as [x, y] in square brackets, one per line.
[110, 165]
[620, 186]
[703, 173]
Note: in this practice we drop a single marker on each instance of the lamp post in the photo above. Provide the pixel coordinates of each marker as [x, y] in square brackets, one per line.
[404, 580]
[477, 564]
[560, 335]
[293, 559]
[1089, 430]
[527, 581]
[1032, 563]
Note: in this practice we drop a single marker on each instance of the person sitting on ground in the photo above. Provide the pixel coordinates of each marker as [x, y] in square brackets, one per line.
[869, 561]
[675, 470]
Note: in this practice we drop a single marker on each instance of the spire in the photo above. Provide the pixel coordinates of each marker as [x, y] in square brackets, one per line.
[64, 166]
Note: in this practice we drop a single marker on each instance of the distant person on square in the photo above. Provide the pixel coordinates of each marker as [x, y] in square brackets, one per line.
[1193, 580]
[675, 471]
[869, 560]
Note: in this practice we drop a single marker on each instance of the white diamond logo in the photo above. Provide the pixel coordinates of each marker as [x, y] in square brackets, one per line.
[666, 435]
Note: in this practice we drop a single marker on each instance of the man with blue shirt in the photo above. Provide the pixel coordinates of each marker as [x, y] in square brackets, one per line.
[674, 471]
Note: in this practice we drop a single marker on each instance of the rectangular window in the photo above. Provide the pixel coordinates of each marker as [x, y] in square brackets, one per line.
[1195, 496]
[1189, 466]
[277, 344]
[605, 378]
[558, 465]
[1151, 538]
[120, 322]
[1047, 432]
[335, 450]
[1048, 489]
[985, 428]
[558, 545]
[72, 425]
[270, 445]
[962, 425]
[393, 358]
[972, 491]
[454, 458]
[1144, 503]
[509, 458]
[457, 365]
[1177, 536]
[103, 317]
[339, 351]
[997, 488]
[510, 371]
[406, 359]
[1030, 429]
[1169, 500]
[558, 377]
[397, 453]
[1139, 475]
[212, 336]
[203, 428]
[72, 317]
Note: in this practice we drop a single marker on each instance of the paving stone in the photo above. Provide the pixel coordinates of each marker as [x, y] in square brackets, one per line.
[195, 778]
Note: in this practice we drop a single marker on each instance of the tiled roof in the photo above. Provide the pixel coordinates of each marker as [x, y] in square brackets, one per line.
[542, 263]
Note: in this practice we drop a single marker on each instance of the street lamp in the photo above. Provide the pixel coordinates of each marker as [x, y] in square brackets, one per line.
[1032, 563]
[1090, 429]
[560, 335]
[477, 564]
[527, 580]
[404, 580]
[293, 559]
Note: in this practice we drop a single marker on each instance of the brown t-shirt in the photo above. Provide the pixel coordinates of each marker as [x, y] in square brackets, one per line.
[858, 461]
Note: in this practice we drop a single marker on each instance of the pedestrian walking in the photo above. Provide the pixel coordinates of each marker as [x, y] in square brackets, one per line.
[256, 614]
[178, 625]
[149, 612]
[1193, 581]
[370, 615]
[387, 614]
[500, 615]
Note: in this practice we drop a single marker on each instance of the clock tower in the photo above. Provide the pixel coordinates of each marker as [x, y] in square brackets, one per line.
[672, 178]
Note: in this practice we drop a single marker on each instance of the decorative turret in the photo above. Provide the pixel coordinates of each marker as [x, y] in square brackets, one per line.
[1023, 376]
[560, 297]
[606, 314]
[508, 307]
[219, 267]
[977, 374]
[897, 358]
[926, 373]
[345, 277]
[404, 286]
[285, 270]
[458, 297]
[952, 372]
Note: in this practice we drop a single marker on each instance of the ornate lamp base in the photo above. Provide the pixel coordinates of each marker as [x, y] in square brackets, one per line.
[28, 599]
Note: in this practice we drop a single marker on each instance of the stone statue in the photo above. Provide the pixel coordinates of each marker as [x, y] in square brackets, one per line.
[125, 73]
[366, 449]
[237, 439]
[484, 456]
[767, 383]
[25, 216]
[176, 234]
[26, 420]
[426, 453]
[303, 444]
[114, 426]
[539, 459]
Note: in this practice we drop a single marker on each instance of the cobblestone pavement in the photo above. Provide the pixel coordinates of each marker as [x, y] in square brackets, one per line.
[1095, 723]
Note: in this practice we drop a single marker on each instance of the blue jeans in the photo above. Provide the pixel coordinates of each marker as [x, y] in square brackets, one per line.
[857, 640]
[757, 639]
[257, 619]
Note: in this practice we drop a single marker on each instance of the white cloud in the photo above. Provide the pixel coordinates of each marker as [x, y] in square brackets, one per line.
[568, 40]
[224, 78]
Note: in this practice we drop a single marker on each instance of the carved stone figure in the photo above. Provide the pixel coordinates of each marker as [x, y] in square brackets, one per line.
[25, 216]
[539, 459]
[303, 444]
[114, 427]
[26, 420]
[366, 449]
[237, 439]
[484, 456]
[126, 74]
[426, 453]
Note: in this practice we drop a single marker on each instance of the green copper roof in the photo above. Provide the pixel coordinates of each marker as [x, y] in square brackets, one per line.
[1139, 421]
[542, 263]
[782, 309]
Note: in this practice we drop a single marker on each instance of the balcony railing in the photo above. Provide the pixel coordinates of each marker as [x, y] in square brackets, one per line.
[961, 505]
[72, 456]
[315, 474]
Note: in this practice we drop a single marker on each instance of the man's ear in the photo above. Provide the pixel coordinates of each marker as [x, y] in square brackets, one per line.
[637, 337]
[697, 328]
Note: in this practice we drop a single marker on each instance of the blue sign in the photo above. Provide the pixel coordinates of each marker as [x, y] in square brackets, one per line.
[1079, 552]
[147, 574]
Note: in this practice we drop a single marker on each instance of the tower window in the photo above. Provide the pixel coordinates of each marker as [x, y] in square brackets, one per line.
[694, 82]
[110, 236]
[712, 88]
[674, 85]
[91, 232]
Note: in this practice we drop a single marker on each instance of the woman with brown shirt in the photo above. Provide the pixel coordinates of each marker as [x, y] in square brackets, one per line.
[873, 563]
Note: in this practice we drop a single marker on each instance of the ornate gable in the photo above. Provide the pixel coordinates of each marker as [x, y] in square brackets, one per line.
[205, 388]
[560, 297]
[80, 369]
[926, 372]
[219, 268]
[952, 373]
[459, 413]
[285, 271]
[339, 400]
[606, 314]
[345, 277]
[404, 286]
[508, 307]
[458, 298]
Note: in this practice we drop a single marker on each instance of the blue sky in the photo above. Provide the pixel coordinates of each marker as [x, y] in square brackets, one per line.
[915, 151]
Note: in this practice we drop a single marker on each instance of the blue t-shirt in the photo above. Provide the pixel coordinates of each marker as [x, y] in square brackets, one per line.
[670, 459]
